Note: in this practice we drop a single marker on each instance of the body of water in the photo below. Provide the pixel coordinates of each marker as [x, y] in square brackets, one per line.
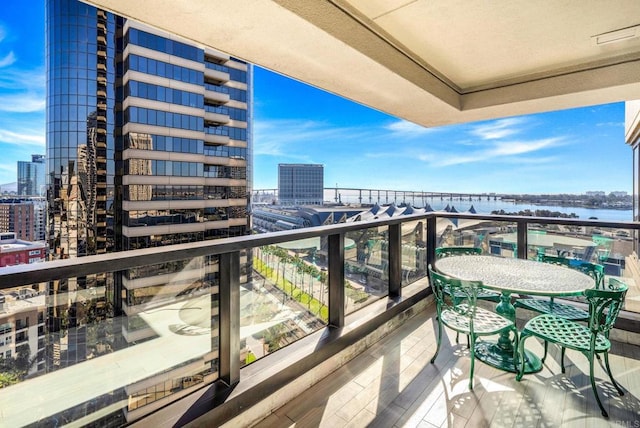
[484, 206]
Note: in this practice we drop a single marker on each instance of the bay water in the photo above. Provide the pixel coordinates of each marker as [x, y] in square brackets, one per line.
[482, 205]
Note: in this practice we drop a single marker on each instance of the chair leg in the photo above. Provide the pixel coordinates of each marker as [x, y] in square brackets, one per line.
[521, 357]
[606, 363]
[516, 343]
[438, 340]
[473, 360]
[457, 337]
[562, 358]
[593, 386]
[546, 347]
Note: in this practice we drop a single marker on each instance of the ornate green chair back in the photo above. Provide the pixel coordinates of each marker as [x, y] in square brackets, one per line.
[604, 306]
[442, 252]
[594, 270]
[445, 286]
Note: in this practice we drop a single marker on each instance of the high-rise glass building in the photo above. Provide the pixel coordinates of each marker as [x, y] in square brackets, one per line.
[31, 176]
[300, 184]
[148, 144]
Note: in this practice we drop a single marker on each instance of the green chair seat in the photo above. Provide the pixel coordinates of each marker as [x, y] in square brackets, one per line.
[568, 333]
[484, 322]
[546, 306]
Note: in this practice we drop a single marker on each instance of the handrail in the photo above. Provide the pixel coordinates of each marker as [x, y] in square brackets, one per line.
[13, 276]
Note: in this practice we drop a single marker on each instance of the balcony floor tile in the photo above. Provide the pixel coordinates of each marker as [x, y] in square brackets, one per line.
[392, 384]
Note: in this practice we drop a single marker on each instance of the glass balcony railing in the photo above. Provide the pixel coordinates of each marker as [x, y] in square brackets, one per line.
[126, 334]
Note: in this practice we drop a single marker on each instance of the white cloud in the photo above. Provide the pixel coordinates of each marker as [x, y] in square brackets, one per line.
[498, 129]
[9, 59]
[376, 155]
[16, 78]
[22, 138]
[22, 103]
[8, 167]
[283, 137]
[616, 124]
[22, 91]
[408, 129]
[545, 161]
[509, 148]
[500, 151]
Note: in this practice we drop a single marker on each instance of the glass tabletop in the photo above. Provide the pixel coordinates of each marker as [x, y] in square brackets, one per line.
[517, 275]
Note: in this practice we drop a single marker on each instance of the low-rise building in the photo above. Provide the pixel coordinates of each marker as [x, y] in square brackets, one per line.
[17, 252]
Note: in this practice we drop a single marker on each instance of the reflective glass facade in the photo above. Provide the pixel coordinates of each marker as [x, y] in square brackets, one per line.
[31, 177]
[130, 164]
[80, 129]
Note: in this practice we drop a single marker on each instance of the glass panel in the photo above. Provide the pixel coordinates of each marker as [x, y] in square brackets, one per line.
[610, 247]
[497, 238]
[127, 339]
[414, 251]
[366, 261]
[286, 299]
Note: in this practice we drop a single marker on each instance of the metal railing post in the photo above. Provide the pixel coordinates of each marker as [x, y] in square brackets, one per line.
[431, 240]
[395, 260]
[336, 280]
[522, 239]
[229, 305]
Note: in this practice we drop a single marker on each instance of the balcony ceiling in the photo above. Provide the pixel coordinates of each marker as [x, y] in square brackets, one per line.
[432, 62]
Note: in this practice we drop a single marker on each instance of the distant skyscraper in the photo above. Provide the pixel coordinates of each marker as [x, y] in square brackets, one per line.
[31, 176]
[148, 144]
[300, 184]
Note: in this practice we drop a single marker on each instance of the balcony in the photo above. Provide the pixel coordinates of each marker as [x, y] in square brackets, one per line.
[214, 74]
[209, 345]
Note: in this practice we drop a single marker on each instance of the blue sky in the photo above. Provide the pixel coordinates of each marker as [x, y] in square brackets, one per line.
[570, 151]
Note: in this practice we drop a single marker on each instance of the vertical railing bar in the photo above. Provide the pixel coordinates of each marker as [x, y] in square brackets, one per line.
[395, 260]
[431, 240]
[229, 304]
[336, 280]
[522, 238]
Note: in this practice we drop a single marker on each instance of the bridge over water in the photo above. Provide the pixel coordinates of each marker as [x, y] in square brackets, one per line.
[385, 196]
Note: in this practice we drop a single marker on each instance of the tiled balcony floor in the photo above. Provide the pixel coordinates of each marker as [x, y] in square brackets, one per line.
[393, 384]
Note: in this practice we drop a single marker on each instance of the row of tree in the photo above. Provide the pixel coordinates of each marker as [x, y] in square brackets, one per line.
[272, 255]
[536, 213]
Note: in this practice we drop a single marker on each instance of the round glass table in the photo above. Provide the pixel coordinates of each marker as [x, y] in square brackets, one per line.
[509, 276]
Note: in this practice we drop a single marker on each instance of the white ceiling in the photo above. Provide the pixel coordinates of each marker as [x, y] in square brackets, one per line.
[432, 62]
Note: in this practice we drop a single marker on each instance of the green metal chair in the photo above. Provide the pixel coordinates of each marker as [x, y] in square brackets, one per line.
[594, 270]
[489, 295]
[463, 316]
[591, 340]
[550, 306]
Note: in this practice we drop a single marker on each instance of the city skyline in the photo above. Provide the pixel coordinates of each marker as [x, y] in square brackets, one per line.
[569, 151]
